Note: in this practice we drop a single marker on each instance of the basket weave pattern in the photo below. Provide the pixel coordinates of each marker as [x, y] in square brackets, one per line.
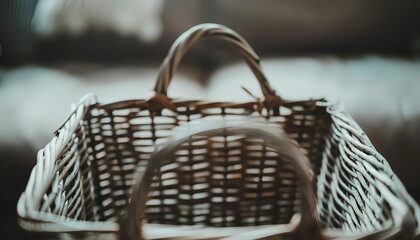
[82, 183]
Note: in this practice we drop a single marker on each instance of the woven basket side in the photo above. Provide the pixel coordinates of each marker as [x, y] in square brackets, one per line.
[59, 193]
[357, 189]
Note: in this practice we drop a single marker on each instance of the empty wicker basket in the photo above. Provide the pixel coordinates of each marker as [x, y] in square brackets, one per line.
[82, 185]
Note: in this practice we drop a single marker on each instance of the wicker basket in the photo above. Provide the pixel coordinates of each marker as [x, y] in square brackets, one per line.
[82, 185]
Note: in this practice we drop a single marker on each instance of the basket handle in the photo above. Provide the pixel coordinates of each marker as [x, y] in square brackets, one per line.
[209, 30]
[308, 227]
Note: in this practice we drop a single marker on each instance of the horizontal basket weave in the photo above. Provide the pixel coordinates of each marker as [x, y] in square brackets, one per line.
[83, 181]
[244, 170]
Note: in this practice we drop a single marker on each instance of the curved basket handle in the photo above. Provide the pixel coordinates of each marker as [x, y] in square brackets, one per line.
[209, 30]
[287, 148]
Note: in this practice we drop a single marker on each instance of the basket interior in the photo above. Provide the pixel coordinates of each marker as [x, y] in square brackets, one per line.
[224, 180]
[218, 181]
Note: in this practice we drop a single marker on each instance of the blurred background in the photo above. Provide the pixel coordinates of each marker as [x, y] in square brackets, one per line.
[362, 53]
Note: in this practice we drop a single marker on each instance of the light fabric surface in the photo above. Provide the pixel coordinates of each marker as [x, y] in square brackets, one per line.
[35, 101]
[373, 89]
